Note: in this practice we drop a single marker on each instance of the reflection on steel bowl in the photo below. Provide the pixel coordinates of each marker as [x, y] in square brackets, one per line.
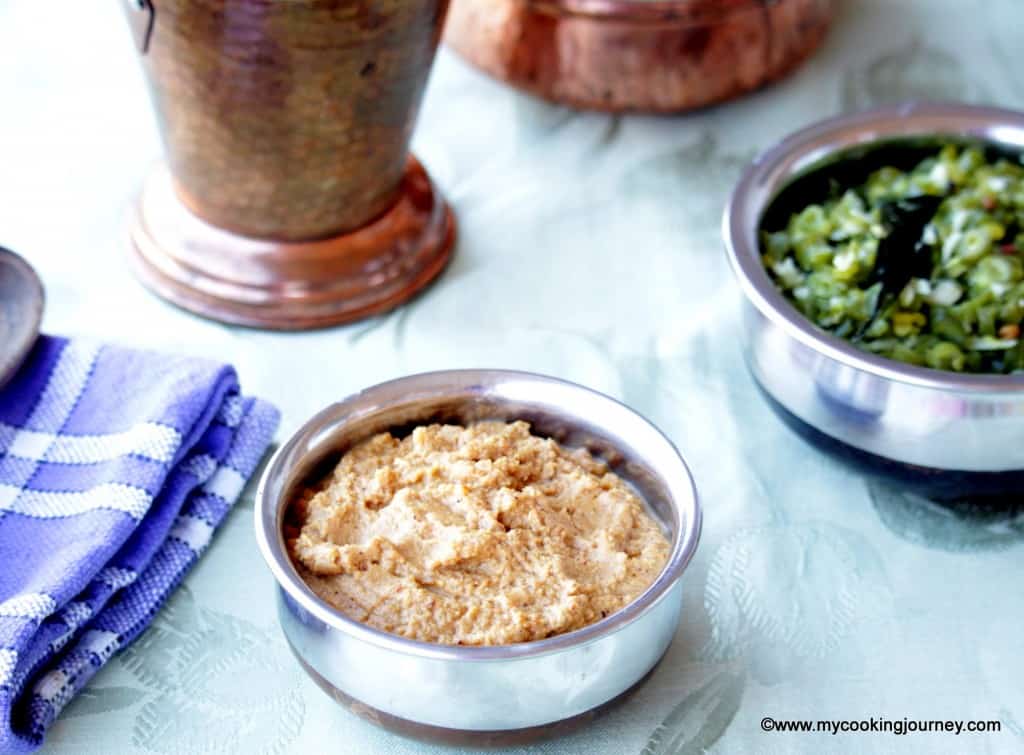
[495, 694]
[944, 434]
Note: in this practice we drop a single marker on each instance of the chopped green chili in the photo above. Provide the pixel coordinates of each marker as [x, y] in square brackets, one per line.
[924, 266]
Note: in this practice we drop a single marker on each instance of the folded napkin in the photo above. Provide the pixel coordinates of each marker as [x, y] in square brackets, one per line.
[116, 467]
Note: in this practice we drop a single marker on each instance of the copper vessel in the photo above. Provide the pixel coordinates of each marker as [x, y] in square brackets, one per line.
[289, 199]
[646, 55]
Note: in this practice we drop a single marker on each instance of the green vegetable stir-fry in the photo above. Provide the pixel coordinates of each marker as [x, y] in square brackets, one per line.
[925, 266]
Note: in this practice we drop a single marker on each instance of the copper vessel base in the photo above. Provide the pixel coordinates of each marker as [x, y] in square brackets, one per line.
[285, 285]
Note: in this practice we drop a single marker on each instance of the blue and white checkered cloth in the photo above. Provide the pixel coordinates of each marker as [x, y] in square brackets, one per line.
[116, 467]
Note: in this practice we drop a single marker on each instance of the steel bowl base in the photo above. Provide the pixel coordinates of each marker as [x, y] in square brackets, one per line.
[996, 490]
[461, 737]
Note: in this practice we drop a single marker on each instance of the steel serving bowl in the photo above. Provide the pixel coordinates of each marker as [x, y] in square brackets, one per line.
[943, 434]
[482, 695]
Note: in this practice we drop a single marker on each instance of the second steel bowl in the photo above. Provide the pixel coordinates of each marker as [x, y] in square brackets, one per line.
[945, 435]
[483, 695]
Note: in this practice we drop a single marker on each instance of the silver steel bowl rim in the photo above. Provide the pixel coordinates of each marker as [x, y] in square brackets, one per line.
[270, 544]
[742, 218]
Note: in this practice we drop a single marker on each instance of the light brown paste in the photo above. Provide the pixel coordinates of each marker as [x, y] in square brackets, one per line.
[480, 535]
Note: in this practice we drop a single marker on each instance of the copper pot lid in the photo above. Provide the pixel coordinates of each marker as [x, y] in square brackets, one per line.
[652, 11]
[637, 55]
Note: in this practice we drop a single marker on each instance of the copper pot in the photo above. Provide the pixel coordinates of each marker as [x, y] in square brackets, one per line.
[291, 199]
[651, 55]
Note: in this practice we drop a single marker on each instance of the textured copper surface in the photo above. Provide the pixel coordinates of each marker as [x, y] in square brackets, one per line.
[289, 120]
[617, 55]
[291, 285]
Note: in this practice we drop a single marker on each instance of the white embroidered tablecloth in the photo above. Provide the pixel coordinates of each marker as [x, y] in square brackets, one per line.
[589, 249]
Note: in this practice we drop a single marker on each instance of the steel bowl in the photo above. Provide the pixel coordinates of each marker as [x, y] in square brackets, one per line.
[482, 695]
[21, 312]
[942, 434]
